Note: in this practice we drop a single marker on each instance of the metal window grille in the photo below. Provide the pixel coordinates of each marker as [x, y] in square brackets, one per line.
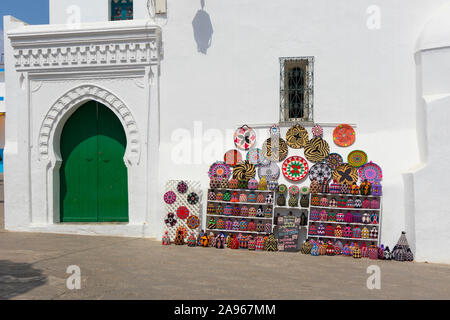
[296, 89]
[121, 10]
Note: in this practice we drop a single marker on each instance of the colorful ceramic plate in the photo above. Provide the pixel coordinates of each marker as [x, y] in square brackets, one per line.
[317, 131]
[334, 160]
[244, 170]
[297, 137]
[255, 156]
[320, 171]
[295, 168]
[276, 152]
[344, 135]
[370, 172]
[220, 170]
[170, 197]
[232, 157]
[192, 198]
[244, 138]
[357, 158]
[345, 173]
[271, 171]
[193, 222]
[316, 150]
[182, 212]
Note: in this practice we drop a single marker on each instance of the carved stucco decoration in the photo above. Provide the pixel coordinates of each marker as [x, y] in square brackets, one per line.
[76, 97]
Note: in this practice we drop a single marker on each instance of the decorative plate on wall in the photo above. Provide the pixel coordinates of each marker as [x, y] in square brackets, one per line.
[317, 131]
[320, 171]
[192, 198]
[316, 150]
[345, 173]
[220, 170]
[244, 137]
[344, 135]
[357, 158]
[295, 168]
[193, 222]
[244, 170]
[170, 197]
[334, 160]
[182, 187]
[232, 157]
[297, 137]
[182, 212]
[271, 171]
[275, 153]
[170, 220]
[370, 172]
[255, 156]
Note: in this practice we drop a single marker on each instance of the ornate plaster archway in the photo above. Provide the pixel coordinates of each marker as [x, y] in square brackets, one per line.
[67, 104]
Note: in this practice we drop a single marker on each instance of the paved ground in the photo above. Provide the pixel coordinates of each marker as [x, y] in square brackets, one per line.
[33, 266]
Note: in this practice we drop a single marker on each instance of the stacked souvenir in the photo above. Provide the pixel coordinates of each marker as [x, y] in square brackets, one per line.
[241, 197]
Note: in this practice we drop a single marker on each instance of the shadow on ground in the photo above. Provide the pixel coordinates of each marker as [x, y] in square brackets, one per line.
[18, 278]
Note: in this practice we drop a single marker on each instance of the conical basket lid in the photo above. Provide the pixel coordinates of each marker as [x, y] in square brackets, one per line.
[403, 242]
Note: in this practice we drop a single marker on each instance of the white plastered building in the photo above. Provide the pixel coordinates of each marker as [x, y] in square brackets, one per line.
[181, 81]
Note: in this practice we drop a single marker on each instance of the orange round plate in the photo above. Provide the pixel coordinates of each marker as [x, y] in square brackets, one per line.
[344, 135]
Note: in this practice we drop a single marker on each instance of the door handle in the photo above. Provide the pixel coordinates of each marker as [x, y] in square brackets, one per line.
[106, 161]
[89, 159]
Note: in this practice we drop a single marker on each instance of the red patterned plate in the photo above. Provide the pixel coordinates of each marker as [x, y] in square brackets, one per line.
[182, 212]
[232, 157]
[344, 135]
[295, 168]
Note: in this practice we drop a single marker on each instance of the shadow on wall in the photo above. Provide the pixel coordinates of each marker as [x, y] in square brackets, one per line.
[18, 278]
[203, 29]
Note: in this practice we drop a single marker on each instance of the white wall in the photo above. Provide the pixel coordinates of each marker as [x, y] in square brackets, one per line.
[362, 76]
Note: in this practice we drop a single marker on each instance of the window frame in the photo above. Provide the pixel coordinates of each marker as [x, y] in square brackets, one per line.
[287, 64]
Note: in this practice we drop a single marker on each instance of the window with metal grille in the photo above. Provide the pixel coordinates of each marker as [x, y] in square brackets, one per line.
[296, 89]
[121, 10]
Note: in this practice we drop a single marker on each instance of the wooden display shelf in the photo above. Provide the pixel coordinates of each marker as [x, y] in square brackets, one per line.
[344, 195]
[292, 208]
[340, 208]
[236, 231]
[344, 238]
[241, 190]
[238, 217]
[345, 223]
[246, 203]
[254, 204]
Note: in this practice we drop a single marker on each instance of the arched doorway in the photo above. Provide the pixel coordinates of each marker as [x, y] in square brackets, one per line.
[93, 176]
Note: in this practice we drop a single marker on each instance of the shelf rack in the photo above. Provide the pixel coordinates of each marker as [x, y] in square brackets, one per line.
[331, 195]
[256, 204]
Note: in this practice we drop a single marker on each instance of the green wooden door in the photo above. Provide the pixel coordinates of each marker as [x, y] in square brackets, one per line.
[94, 183]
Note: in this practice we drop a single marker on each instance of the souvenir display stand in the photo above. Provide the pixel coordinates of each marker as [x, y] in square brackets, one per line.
[369, 217]
[236, 215]
[183, 207]
[305, 191]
